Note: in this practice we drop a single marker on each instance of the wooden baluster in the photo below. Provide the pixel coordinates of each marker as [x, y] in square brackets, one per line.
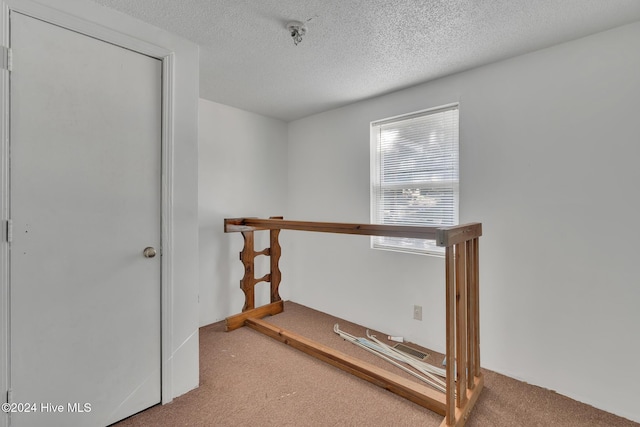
[461, 325]
[471, 296]
[476, 308]
[450, 340]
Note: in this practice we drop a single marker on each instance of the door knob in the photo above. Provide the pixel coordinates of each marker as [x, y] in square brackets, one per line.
[149, 252]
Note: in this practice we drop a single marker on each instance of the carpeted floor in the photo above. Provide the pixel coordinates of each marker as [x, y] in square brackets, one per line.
[248, 379]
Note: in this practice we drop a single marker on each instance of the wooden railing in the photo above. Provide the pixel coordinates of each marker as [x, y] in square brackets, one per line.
[464, 379]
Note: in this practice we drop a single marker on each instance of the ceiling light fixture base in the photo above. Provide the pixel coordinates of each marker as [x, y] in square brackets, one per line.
[297, 29]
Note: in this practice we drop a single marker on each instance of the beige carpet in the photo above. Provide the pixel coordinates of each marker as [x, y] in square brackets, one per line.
[248, 379]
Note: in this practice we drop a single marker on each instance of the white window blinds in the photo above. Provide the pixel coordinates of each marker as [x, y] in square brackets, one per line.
[414, 175]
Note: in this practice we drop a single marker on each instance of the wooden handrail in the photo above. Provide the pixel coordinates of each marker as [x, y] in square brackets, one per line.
[444, 236]
[251, 224]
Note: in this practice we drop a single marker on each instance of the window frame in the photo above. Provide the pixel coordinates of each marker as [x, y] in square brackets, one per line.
[399, 244]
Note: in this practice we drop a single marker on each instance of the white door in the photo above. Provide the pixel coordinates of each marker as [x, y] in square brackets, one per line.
[85, 186]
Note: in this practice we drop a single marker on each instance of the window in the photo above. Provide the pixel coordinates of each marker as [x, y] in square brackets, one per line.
[414, 175]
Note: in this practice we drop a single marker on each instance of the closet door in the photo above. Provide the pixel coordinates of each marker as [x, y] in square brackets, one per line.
[85, 188]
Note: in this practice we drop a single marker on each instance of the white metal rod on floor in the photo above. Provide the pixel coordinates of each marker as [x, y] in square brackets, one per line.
[427, 369]
[357, 342]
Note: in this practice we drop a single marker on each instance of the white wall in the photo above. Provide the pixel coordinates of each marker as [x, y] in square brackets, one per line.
[550, 143]
[242, 172]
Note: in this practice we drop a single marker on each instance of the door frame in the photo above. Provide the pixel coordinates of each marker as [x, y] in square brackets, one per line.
[89, 20]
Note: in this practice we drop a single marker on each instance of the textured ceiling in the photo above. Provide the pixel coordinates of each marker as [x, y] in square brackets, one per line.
[357, 49]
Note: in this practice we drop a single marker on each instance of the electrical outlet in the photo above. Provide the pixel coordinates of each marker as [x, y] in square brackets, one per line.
[417, 312]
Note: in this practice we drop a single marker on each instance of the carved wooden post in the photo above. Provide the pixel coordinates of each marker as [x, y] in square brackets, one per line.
[276, 251]
[247, 282]
[276, 275]
[248, 256]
